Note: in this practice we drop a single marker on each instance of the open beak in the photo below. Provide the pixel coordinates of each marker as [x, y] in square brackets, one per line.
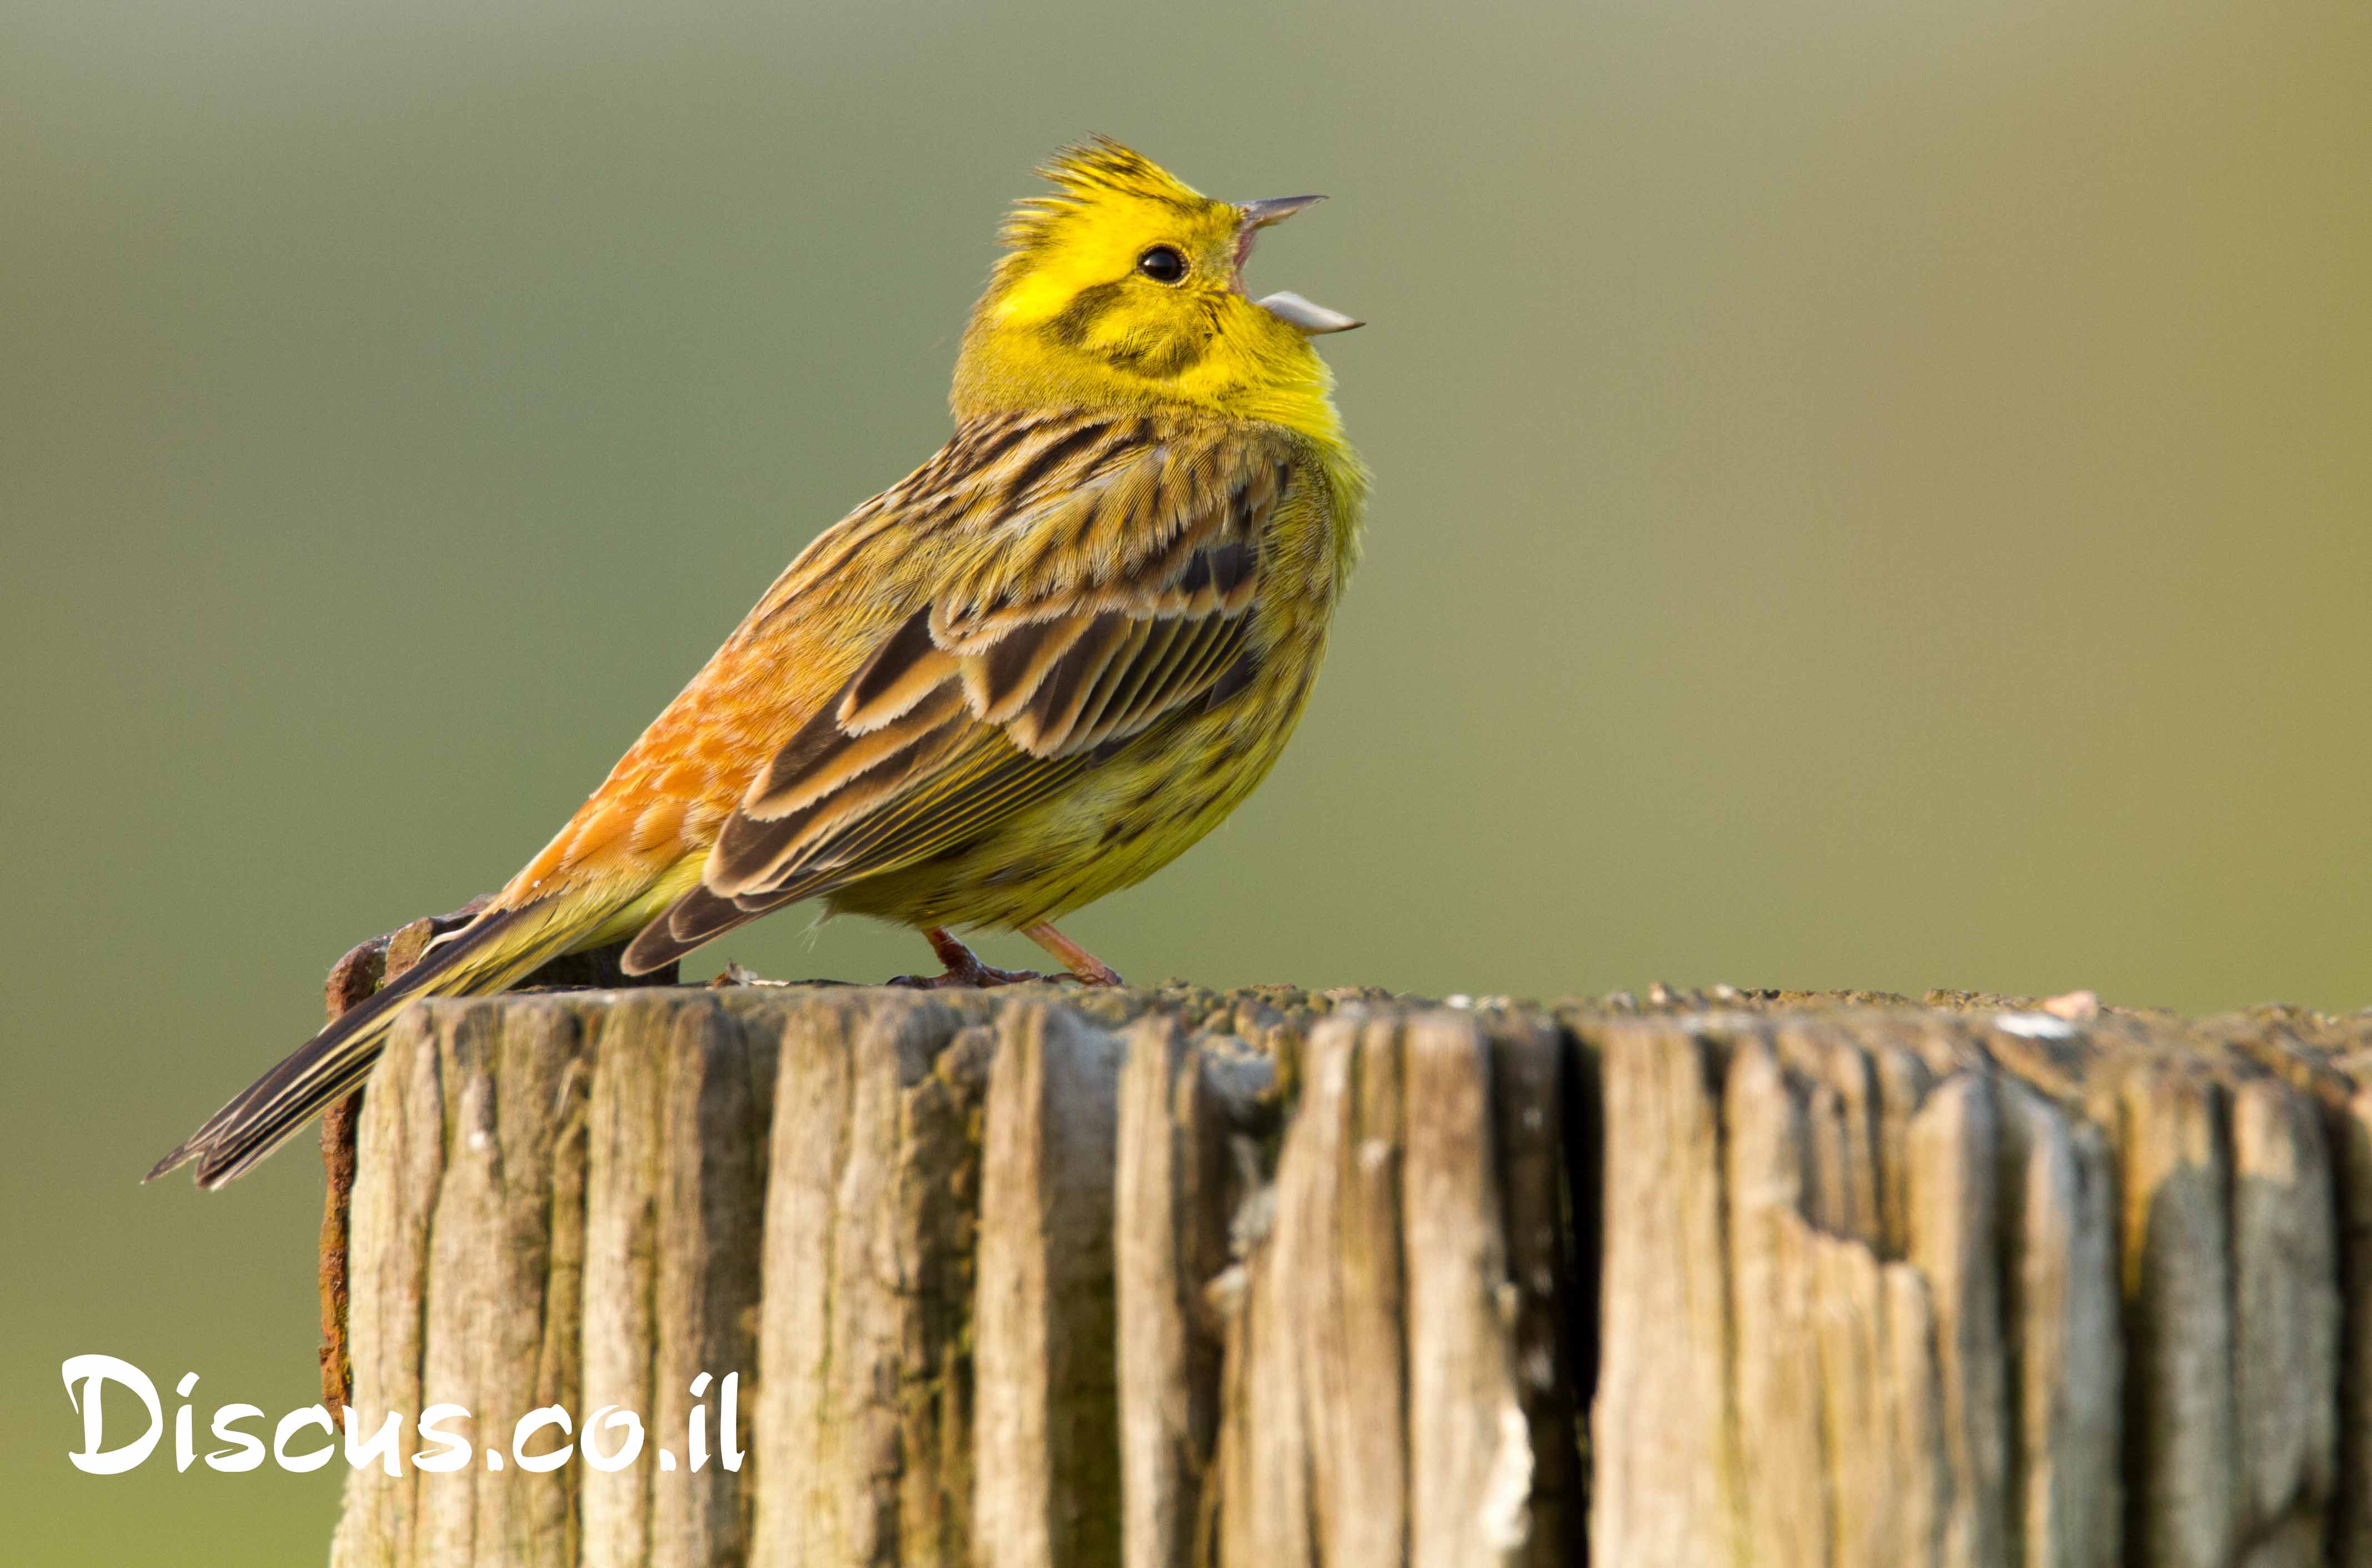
[1275, 209]
[1310, 321]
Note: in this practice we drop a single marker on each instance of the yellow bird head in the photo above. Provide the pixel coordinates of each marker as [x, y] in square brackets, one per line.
[1124, 287]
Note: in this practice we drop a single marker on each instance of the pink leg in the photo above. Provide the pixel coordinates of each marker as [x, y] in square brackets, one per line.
[1084, 966]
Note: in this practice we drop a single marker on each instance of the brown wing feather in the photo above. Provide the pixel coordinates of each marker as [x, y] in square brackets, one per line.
[907, 667]
[1060, 633]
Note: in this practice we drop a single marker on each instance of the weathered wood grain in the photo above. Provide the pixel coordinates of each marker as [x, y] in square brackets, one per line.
[1313, 1444]
[364, 969]
[1186, 1279]
[864, 1366]
[1183, 1118]
[1045, 1437]
[2352, 1537]
[2057, 1191]
[1469, 1438]
[472, 1144]
[1544, 1132]
[2128, 1262]
[1663, 1442]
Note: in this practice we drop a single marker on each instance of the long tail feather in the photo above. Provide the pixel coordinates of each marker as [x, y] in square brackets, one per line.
[697, 918]
[495, 951]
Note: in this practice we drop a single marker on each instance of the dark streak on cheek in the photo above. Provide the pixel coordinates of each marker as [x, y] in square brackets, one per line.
[1172, 356]
[1161, 362]
[1078, 318]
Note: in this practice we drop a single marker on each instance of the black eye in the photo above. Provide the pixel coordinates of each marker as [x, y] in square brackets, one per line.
[1162, 264]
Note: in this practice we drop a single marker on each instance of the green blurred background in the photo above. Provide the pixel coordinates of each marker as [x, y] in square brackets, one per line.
[1867, 496]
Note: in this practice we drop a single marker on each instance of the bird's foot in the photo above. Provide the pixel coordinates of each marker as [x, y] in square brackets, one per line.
[971, 977]
[964, 969]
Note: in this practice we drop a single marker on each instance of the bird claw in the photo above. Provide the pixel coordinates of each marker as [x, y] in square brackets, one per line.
[965, 971]
[971, 976]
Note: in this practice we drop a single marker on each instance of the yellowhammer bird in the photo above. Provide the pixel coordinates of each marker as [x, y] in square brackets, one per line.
[1034, 671]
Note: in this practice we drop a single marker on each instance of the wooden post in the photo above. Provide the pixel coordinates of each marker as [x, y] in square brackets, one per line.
[1980, 1283]
[1178, 1279]
[366, 967]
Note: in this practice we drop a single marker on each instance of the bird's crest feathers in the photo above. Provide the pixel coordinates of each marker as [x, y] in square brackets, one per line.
[1085, 173]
